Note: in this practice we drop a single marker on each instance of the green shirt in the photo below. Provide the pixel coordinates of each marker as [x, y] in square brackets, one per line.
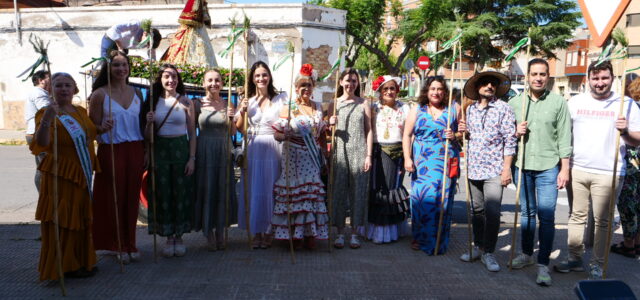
[548, 138]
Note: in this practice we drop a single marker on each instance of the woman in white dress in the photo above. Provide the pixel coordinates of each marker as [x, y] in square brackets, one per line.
[262, 105]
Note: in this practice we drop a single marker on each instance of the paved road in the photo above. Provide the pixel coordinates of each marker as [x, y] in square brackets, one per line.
[372, 272]
[18, 195]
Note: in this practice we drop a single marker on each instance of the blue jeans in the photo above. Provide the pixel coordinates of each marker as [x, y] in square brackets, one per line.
[538, 195]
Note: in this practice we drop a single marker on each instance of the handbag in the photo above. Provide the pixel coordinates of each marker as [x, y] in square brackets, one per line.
[453, 167]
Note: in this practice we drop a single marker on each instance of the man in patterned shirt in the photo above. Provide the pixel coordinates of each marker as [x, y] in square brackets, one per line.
[547, 149]
[490, 123]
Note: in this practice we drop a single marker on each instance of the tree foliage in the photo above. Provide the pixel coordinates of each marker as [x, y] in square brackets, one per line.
[488, 27]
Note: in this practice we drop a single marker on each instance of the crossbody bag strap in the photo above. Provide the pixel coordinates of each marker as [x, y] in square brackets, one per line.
[167, 115]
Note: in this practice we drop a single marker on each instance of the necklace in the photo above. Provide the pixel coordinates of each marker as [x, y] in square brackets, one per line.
[391, 117]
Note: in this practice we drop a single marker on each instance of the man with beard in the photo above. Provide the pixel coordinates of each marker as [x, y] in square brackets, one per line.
[490, 123]
[595, 119]
[547, 148]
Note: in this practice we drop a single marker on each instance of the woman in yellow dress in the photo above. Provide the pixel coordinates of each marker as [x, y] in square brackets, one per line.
[72, 172]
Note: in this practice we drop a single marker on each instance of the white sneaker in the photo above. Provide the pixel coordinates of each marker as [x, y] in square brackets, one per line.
[475, 255]
[124, 257]
[490, 262]
[543, 279]
[135, 256]
[180, 248]
[521, 261]
[169, 248]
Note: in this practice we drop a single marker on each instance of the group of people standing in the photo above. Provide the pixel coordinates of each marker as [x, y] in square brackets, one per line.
[291, 173]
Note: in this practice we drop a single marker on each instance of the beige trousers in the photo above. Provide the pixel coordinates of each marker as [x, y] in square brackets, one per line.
[590, 190]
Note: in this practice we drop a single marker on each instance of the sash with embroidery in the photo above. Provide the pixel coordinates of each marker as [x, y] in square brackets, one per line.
[79, 138]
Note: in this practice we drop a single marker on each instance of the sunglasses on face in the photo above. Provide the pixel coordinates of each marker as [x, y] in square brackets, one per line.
[484, 81]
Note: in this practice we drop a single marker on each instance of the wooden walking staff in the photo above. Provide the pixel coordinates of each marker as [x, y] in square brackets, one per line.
[113, 170]
[619, 37]
[446, 159]
[286, 156]
[465, 146]
[39, 47]
[245, 162]
[230, 133]
[333, 140]
[152, 159]
[523, 111]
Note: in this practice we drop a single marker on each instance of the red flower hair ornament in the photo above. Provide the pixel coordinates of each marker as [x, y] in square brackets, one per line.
[381, 80]
[306, 70]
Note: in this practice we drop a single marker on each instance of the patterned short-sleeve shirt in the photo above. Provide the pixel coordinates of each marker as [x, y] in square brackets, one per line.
[491, 137]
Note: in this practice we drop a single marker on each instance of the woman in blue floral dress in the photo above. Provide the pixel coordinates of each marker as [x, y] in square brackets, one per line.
[425, 134]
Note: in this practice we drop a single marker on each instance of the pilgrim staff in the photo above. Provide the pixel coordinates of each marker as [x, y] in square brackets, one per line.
[465, 146]
[43, 51]
[331, 157]
[622, 40]
[445, 174]
[230, 134]
[286, 154]
[113, 171]
[521, 150]
[152, 160]
[245, 161]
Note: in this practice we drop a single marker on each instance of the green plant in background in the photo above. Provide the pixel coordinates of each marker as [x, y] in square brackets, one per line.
[190, 74]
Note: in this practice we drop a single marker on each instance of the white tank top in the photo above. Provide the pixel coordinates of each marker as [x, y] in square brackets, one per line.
[176, 124]
[126, 127]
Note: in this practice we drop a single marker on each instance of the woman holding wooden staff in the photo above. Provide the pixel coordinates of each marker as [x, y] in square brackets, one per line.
[172, 121]
[305, 193]
[388, 199]
[262, 108]
[213, 175]
[423, 145]
[128, 154]
[73, 174]
[352, 159]
[629, 199]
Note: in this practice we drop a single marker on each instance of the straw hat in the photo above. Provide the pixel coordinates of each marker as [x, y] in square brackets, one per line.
[471, 88]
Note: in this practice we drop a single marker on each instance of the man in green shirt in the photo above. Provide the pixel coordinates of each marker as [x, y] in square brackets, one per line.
[547, 149]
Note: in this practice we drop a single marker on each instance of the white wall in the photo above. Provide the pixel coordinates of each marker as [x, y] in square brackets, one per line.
[75, 34]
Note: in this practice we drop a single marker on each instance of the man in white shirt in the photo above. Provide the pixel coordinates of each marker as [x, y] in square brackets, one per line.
[595, 119]
[38, 98]
[127, 36]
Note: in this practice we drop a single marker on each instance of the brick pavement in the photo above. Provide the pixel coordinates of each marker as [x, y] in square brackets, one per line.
[372, 272]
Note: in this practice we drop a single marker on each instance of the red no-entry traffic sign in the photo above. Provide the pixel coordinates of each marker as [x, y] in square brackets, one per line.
[424, 62]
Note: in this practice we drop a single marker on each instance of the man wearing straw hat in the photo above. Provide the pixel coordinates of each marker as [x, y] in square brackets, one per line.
[546, 128]
[595, 119]
[490, 123]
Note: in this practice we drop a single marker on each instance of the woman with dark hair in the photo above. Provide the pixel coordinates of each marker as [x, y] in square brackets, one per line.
[172, 120]
[262, 106]
[352, 159]
[124, 102]
[71, 172]
[388, 199]
[629, 199]
[300, 191]
[423, 144]
[214, 176]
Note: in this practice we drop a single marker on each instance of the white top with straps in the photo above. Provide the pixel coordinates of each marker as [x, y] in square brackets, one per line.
[176, 123]
[126, 127]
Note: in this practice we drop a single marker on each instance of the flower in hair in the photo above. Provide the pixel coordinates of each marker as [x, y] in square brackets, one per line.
[306, 70]
[378, 82]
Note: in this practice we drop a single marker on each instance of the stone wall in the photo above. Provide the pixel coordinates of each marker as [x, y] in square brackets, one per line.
[75, 34]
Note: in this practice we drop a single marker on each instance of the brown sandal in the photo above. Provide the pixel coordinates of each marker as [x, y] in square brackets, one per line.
[415, 245]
